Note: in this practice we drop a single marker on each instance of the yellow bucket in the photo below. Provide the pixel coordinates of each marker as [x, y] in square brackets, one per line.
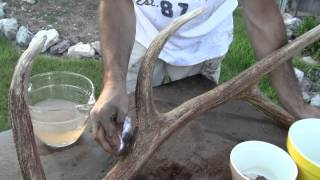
[303, 145]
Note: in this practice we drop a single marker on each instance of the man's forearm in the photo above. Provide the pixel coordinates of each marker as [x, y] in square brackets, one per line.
[265, 26]
[117, 33]
[267, 33]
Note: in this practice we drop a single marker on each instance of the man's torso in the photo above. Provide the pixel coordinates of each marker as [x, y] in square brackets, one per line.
[210, 31]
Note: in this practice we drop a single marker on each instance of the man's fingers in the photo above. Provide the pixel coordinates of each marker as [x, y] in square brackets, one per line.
[94, 123]
[102, 141]
[99, 134]
[107, 128]
[99, 129]
[110, 130]
[108, 123]
[121, 116]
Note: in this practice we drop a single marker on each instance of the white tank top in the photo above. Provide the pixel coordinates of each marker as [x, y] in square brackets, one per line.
[205, 37]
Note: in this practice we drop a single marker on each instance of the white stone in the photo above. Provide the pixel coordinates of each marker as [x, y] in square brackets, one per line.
[60, 47]
[306, 97]
[9, 27]
[309, 60]
[29, 1]
[305, 84]
[289, 33]
[24, 36]
[292, 23]
[3, 5]
[315, 101]
[52, 38]
[96, 46]
[299, 74]
[2, 14]
[286, 16]
[81, 50]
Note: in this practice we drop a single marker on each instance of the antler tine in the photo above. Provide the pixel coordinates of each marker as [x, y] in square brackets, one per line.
[255, 96]
[22, 129]
[144, 102]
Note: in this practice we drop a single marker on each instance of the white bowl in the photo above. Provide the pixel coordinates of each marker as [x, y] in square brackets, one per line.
[253, 159]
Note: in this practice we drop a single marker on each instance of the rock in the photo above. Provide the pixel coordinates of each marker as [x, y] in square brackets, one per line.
[52, 38]
[2, 13]
[289, 33]
[60, 47]
[314, 76]
[306, 84]
[96, 46]
[9, 27]
[306, 97]
[3, 5]
[299, 74]
[309, 60]
[75, 39]
[30, 1]
[24, 36]
[286, 16]
[315, 101]
[81, 50]
[292, 23]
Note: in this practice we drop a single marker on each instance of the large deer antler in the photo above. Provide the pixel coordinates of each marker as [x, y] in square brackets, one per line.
[153, 127]
[22, 129]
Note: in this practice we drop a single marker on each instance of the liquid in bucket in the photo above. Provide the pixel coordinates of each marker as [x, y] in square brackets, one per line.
[57, 122]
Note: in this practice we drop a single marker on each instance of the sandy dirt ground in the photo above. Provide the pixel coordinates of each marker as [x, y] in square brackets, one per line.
[74, 20]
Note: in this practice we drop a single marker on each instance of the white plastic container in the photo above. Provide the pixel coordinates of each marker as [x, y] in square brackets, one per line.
[261, 160]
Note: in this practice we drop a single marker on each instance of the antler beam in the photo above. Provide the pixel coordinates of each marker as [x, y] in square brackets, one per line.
[22, 129]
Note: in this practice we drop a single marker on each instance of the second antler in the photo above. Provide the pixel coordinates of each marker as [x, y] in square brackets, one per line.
[153, 128]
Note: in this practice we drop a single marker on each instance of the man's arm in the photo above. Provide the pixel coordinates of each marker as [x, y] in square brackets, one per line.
[117, 34]
[267, 33]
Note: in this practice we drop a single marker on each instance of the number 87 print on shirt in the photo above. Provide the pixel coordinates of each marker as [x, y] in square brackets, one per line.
[165, 6]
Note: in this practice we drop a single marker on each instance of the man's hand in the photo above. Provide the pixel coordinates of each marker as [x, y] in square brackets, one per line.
[117, 34]
[107, 117]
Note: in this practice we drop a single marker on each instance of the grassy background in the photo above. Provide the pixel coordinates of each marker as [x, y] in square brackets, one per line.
[239, 57]
[8, 56]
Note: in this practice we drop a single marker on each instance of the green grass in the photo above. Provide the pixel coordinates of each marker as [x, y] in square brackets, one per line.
[8, 58]
[241, 56]
[91, 68]
[307, 24]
